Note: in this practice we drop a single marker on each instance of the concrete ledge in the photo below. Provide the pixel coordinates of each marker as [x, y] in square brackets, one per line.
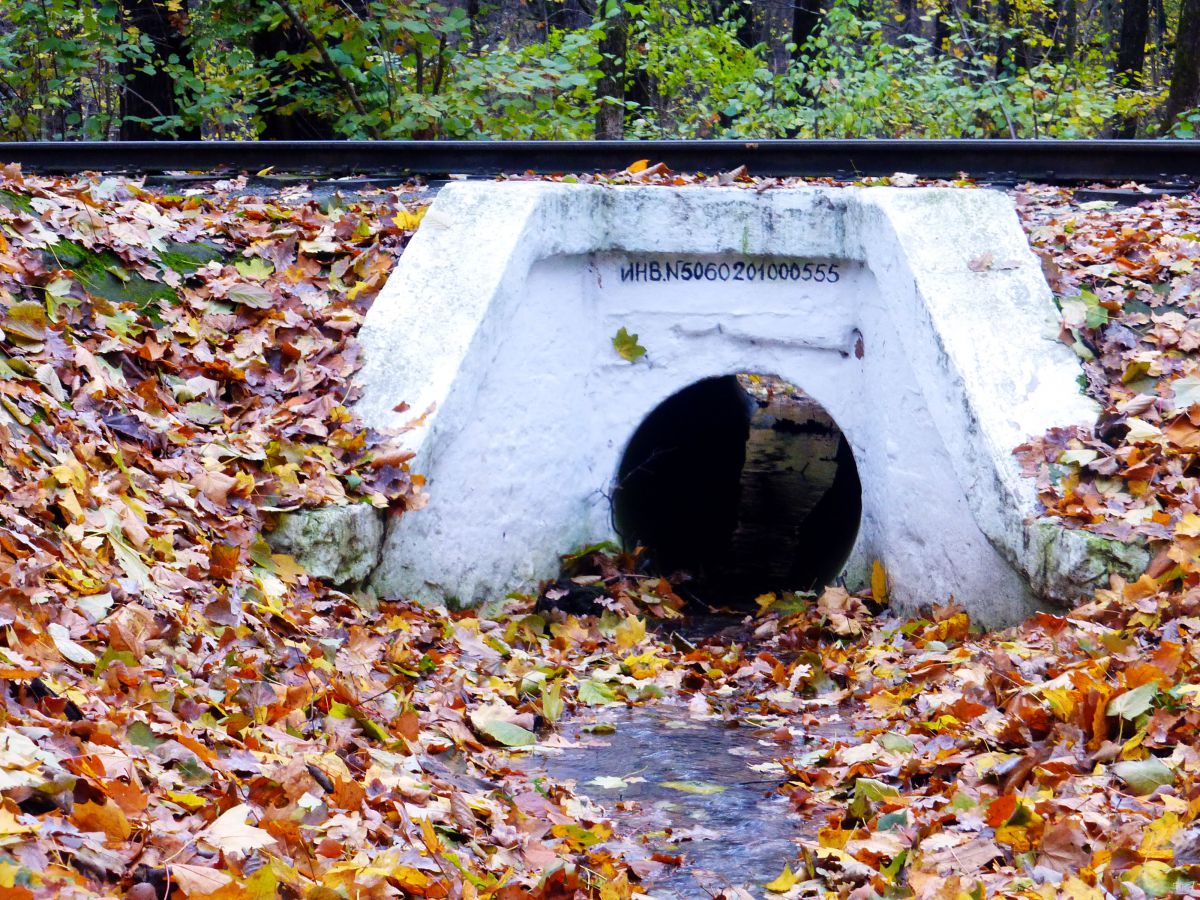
[339, 543]
[1075, 563]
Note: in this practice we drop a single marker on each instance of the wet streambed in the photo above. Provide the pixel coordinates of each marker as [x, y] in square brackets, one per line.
[706, 794]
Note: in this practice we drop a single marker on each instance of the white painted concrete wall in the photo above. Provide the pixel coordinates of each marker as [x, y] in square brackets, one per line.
[501, 313]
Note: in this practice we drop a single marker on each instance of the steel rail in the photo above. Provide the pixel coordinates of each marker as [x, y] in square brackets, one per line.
[1064, 162]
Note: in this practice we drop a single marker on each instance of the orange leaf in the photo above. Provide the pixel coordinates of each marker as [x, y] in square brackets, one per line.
[222, 561]
[107, 818]
[1001, 810]
[879, 583]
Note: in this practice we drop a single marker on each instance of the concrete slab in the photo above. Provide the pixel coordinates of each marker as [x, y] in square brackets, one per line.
[918, 318]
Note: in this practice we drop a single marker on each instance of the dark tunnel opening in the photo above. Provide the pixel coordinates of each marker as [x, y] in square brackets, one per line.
[744, 483]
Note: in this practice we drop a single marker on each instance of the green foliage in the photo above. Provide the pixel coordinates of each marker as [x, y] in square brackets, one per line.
[853, 81]
[59, 61]
[1187, 126]
[699, 69]
[403, 69]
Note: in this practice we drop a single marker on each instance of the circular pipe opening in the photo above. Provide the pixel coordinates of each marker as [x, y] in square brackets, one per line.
[745, 484]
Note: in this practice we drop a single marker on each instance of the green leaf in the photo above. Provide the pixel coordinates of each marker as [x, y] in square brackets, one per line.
[255, 268]
[627, 345]
[507, 733]
[1187, 392]
[552, 703]
[895, 743]
[203, 414]
[870, 789]
[704, 788]
[1143, 776]
[866, 792]
[595, 693]
[139, 733]
[1158, 879]
[1132, 704]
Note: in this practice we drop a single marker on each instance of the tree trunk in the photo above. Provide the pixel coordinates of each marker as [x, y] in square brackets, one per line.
[1003, 43]
[151, 95]
[473, 16]
[1131, 55]
[1158, 30]
[610, 89]
[941, 28]
[1185, 78]
[806, 18]
[280, 123]
[911, 24]
[1071, 38]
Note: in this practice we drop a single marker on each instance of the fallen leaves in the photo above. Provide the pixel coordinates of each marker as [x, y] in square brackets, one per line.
[231, 833]
[187, 711]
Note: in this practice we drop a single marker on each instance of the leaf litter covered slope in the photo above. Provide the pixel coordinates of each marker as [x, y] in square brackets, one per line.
[190, 715]
[185, 713]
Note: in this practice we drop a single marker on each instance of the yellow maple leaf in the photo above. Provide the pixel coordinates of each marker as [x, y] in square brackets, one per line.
[409, 220]
[1157, 837]
[630, 633]
[785, 882]
[617, 888]
[10, 825]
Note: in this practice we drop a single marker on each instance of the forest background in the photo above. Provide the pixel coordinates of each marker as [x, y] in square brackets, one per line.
[559, 69]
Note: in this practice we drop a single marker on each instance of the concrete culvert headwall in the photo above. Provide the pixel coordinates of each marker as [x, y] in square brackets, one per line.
[744, 483]
[919, 319]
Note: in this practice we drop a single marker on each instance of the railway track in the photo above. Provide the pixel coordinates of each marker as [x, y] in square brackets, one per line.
[1168, 165]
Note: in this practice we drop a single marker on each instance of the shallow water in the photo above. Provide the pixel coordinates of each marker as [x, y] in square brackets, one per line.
[725, 819]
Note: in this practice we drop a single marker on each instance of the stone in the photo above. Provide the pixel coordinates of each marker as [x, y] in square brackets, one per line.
[1074, 563]
[918, 318]
[338, 543]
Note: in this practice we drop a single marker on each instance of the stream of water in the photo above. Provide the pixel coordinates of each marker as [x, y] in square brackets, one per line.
[705, 791]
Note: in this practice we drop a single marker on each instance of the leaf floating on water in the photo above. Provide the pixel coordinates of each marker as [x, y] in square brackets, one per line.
[609, 782]
[508, 734]
[785, 882]
[596, 693]
[704, 788]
